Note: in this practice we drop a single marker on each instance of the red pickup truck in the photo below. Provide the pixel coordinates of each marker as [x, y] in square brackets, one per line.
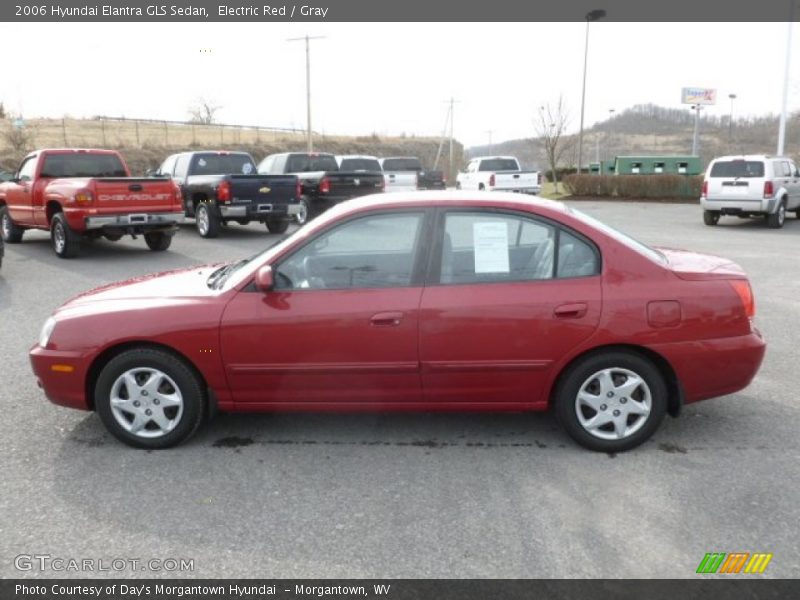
[77, 194]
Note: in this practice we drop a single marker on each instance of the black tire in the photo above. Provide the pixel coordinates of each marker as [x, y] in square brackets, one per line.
[458, 185]
[113, 237]
[187, 384]
[66, 243]
[157, 241]
[277, 225]
[481, 187]
[778, 218]
[581, 375]
[207, 222]
[711, 217]
[304, 216]
[11, 232]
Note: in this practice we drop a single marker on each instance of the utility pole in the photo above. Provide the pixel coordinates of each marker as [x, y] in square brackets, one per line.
[730, 124]
[489, 131]
[592, 15]
[306, 39]
[452, 102]
[695, 137]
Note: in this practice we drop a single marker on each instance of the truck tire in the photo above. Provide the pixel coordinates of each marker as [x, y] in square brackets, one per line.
[12, 233]
[277, 225]
[66, 243]
[304, 216]
[206, 221]
[710, 217]
[157, 241]
[778, 218]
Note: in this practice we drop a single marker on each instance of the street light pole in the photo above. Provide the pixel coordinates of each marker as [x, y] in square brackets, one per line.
[782, 126]
[730, 124]
[696, 136]
[592, 15]
[306, 38]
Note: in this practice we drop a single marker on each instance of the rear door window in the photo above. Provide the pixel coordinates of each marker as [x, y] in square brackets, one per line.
[737, 168]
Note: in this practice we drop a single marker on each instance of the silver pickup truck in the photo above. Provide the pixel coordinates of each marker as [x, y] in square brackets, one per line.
[498, 174]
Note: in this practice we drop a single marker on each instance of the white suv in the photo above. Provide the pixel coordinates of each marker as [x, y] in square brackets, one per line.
[749, 186]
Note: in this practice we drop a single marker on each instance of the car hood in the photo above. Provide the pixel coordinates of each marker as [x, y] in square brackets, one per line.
[180, 284]
[695, 265]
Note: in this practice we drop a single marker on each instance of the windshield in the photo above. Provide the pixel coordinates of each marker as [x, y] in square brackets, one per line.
[83, 165]
[360, 164]
[623, 238]
[499, 164]
[305, 163]
[222, 164]
[737, 168]
[402, 164]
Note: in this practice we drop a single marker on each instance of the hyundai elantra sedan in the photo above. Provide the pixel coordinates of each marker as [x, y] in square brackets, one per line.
[430, 301]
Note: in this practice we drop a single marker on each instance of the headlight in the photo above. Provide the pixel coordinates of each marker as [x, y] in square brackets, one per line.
[47, 331]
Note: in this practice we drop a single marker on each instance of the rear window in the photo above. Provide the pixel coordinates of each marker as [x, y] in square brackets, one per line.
[83, 165]
[402, 164]
[304, 163]
[222, 164]
[499, 164]
[737, 168]
[360, 164]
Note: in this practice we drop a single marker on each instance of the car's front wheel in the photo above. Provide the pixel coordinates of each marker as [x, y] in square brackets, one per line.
[149, 398]
[711, 217]
[611, 402]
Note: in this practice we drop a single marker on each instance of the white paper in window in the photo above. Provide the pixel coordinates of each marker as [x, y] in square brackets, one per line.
[491, 247]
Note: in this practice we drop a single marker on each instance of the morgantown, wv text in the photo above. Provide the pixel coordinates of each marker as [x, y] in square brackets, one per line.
[233, 590]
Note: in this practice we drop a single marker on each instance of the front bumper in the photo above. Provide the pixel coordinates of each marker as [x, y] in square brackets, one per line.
[61, 385]
[715, 367]
[134, 220]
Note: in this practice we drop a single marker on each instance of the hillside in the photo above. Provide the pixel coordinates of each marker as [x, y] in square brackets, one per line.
[146, 144]
[649, 129]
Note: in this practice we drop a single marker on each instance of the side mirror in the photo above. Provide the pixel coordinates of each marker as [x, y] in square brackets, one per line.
[265, 280]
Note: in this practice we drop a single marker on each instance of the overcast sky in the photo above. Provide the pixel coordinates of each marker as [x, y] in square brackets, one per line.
[389, 78]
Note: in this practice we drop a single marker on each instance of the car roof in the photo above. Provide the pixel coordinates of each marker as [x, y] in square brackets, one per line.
[448, 198]
[353, 156]
[751, 157]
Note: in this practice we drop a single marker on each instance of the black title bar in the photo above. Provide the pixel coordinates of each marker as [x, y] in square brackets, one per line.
[398, 11]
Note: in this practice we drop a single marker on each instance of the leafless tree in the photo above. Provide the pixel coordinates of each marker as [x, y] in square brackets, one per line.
[204, 112]
[551, 127]
[18, 136]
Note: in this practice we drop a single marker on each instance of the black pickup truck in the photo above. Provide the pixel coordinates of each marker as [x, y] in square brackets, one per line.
[323, 184]
[426, 180]
[219, 187]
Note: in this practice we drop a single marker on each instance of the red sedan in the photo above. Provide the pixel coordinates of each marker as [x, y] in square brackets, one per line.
[414, 302]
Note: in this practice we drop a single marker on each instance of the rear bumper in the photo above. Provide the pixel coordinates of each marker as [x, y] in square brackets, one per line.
[261, 211]
[716, 367]
[525, 190]
[739, 205]
[135, 220]
[61, 386]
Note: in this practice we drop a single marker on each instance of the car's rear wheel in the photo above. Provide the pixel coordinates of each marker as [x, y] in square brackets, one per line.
[277, 225]
[66, 243]
[11, 233]
[206, 221]
[778, 218]
[149, 398]
[611, 402]
[711, 217]
[158, 241]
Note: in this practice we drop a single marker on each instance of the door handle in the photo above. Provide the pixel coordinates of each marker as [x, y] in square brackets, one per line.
[386, 319]
[571, 311]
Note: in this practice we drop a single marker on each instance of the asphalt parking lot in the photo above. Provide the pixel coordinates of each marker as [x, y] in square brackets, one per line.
[419, 495]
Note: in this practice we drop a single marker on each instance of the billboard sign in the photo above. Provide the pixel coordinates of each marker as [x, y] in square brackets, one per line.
[694, 95]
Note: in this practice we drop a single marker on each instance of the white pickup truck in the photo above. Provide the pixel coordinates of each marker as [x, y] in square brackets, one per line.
[400, 176]
[498, 174]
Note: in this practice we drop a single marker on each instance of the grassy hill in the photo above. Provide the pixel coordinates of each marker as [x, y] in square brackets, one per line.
[650, 129]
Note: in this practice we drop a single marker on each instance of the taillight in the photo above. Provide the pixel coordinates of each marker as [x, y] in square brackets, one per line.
[178, 193]
[298, 189]
[224, 191]
[704, 193]
[742, 288]
[768, 189]
[84, 196]
[491, 180]
[324, 185]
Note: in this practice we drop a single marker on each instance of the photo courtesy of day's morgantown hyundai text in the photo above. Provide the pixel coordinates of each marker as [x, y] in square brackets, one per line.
[445, 301]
